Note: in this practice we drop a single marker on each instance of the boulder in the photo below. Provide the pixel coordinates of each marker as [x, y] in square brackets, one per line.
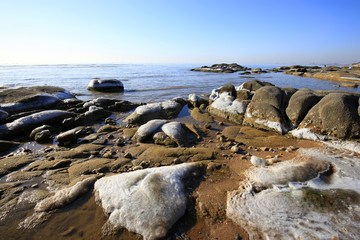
[226, 106]
[196, 101]
[175, 131]
[146, 201]
[160, 138]
[30, 103]
[254, 85]
[200, 116]
[105, 85]
[40, 129]
[3, 115]
[148, 129]
[25, 124]
[71, 135]
[96, 113]
[267, 110]
[300, 103]
[336, 115]
[162, 110]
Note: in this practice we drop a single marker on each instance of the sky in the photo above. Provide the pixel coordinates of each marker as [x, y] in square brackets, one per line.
[174, 31]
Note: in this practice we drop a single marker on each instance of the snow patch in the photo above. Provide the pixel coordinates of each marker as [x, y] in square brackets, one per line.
[226, 103]
[146, 201]
[306, 133]
[173, 130]
[277, 126]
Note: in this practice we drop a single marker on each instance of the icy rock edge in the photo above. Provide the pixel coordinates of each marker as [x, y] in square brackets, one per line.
[146, 201]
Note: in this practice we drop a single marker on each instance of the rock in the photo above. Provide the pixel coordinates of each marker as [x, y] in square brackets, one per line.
[43, 136]
[24, 124]
[336, 115]
[254, 85]
[300, 103]
[96, 113]
[128, 155]
[222, 68]
[161, 138]
[6, 146]
[267, 110]
[30, 103]
[88, 167]
[200, 116]
[226, 106]
[163, 110]
[65, 196]
[197, 101]
[39, 129]
[105, 85]
[146, 130]
[235, 149]
[175, 131]
[13, 163]
[146, 201]
[229, 88]
[108, 128]
[349, 85]
[243, 94]
[71, 135]
[3, 115]
[256, 161]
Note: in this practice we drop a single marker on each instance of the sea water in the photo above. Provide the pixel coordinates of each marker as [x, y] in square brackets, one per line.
[145, 82]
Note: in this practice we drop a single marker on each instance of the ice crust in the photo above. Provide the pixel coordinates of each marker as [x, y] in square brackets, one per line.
[278, 211]
[146, 201]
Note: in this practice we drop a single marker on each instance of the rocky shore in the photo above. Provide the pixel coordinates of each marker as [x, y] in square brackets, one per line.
[253, 161]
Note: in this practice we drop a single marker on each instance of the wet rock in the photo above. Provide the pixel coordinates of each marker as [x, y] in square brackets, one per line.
[197, 101]
[3, 115]
[148, 129]
[161, 138]
[6, 146]
[43, 136]
[175, 131]
[201, 117]
[336, 115]
[300, 103]
[70, 136]
[24, 124]
[96, 113]
[156, 202]
[13, 163]
[88, 167]
[163, 110]
[39, 129]
[106, 85]
[349, 85]
[108, 128]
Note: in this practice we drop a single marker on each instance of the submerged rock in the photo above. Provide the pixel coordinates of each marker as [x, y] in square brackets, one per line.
[146, 201]
[106, 85]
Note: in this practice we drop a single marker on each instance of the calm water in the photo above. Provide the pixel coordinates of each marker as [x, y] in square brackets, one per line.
[144, 82]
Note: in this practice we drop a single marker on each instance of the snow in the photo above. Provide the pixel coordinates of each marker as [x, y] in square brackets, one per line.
[148, 128]
[148, 108]
[279, 211]
[146, 201]
[226, 103]
[305, 133]
[277, 126]
[173, 130]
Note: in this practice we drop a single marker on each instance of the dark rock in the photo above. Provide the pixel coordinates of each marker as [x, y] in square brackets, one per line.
[6, 146]
[243, 94]
[336, 114]
[106, 85]
[43, 136]
[300, 103]
[230, 89]
[41, 128]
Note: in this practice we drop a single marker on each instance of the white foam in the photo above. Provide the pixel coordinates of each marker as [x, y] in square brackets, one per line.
[146, 201]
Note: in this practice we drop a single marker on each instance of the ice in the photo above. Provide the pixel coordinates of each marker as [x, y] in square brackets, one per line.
[146, 201]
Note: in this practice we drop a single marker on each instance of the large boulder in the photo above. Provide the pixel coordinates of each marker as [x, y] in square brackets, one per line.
[267, 109]
[162, 110]
[300, 103]
[336, 115]
[28, 123]
[26, 99]
[106, 85]
[146, 201]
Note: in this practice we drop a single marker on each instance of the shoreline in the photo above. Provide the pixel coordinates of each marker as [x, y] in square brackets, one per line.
[102, 138]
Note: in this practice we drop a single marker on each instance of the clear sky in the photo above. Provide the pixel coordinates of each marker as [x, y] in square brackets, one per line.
[194, 31]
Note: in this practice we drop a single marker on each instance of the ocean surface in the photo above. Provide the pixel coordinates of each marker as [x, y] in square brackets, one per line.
[145, 82]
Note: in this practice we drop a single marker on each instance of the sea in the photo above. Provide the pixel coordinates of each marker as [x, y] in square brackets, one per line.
[146, 82]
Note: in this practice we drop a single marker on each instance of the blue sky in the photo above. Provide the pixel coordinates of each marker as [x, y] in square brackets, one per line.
[197, 31]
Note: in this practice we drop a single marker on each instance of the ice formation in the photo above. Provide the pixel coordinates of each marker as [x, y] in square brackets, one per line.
[314, 196]
[146, 201]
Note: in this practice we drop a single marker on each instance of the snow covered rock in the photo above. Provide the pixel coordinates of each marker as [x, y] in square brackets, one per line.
[148, 129]
[162, 110]
[175, 131]
[146, 201]
[106, 85]
[32, 121]
[257, 161]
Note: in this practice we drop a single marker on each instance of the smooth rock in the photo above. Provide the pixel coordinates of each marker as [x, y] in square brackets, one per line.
[106, 85]
[256, 161]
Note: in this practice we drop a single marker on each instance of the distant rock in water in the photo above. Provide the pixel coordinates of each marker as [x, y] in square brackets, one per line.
[106, 85]
[222, 68]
